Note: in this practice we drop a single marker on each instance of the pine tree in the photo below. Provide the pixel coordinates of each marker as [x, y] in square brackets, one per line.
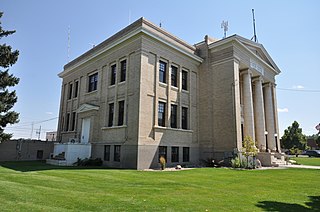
[8, 57]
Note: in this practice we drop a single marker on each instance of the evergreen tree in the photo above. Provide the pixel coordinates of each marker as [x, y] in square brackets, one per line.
[293, 137]
[8, 57]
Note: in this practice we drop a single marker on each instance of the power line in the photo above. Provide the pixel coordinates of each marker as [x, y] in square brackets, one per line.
[299, 90]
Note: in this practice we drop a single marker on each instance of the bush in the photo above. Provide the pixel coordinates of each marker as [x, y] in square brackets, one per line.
[89, 162]
[236, 162]
[162, 162]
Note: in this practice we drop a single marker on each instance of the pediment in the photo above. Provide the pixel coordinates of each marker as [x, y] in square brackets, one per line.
[87, 107]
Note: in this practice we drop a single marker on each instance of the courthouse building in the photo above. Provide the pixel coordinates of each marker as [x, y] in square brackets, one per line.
[143, 93]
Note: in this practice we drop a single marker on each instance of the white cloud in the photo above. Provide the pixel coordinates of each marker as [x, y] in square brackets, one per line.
[49, 113]
[283, 110]
[298, 87]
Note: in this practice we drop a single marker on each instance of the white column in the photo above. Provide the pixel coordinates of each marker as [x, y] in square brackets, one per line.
[276, 124]
[248, 105]
[259, 121]
[269, 116]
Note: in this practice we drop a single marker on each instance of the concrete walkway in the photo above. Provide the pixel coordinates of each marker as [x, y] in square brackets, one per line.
[300, 166]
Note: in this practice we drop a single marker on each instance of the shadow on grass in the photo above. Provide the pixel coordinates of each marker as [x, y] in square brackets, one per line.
[313, 205]
[29, 166]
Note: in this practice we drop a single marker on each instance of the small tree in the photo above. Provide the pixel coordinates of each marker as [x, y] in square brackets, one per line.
[249, 149]
[8, 57]
[293, 137]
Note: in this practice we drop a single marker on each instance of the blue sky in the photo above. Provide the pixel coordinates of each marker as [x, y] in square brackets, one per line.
[288, 29]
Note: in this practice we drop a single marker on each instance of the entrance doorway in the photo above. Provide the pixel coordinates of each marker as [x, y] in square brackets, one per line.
[85, 132]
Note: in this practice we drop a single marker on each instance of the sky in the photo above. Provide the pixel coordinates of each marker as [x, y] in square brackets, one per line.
[288, 29]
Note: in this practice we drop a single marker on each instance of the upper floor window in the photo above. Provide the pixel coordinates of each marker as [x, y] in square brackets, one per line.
[67, 122]
[185, 80]
[111, 111]
[70, 91]
[73, 123]
[113, 74]
[76, 88]
[121, 113]
[174, 76]
[123, 66]
[162, 72]
[161, 113]
[173, 116]
[93, 82]
[184, 118]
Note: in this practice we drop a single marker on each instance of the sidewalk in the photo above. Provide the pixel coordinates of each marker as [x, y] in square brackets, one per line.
[300, 166]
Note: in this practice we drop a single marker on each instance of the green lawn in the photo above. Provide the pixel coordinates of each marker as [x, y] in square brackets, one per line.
[26, 186]
[307, 161]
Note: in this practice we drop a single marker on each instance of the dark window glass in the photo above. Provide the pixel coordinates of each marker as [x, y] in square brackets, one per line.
[121, 113]
[162, 72]
[174, 76]
[173, 116]
[117, 152]
[113, 74]
[123, 70]
[67, 121]
[39, 154]
[70, 91]
[161, 113]
[163, 152]
[184, 80]
[76, 88]
[106, 155]
[111, 111]
[186, 152]
[73, 123]
[93, 82]
[174, 154]
[184, 118]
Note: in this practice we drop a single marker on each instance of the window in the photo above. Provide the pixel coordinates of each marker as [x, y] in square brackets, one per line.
[111, 111]
[121, 113]
[162, 72]
[163, 152]
[123, 70]
[93, 82]
[73, 123]
[76, 88]
[67, 122]
[161, 113]
[117, 152]
[39, 154]
[174, 154]
[184, 118]
[174, 72]
[113, 74]
[186, 151]
[106, 155]
[173, 116]
[70, 91]
[184, 80]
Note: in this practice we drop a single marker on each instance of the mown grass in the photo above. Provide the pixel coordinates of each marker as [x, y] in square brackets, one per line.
[307, 161]
[34, 186]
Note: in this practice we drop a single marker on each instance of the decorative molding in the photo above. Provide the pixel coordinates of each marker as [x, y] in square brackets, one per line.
[87, 107]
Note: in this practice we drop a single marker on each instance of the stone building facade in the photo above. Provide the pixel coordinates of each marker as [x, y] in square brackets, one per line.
[143, 93]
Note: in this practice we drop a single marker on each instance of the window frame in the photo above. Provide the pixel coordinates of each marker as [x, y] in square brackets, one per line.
[162, 71]
[121, 107]
[70, 89]
[76, 88]
[117, 153]
[123, 70]
[174, 116]
[184, 79]
[174, 154]
[93, 82]
[184, 118]
[106, 154]
[161, 114]
[73, 121]
[113, 74]
[186, 154]
[174, 76]
[110, 114]
[162, 151]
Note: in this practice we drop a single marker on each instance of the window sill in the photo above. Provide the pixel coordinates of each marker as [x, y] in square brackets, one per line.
[184, 91]
[172, 129]
[91, 92]
[174, 88]
[122, 83]
[113, 127]
[112, 86]
[164, 85]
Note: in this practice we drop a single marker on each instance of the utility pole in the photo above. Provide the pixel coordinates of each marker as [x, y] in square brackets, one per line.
[31, 131]
[39, 133]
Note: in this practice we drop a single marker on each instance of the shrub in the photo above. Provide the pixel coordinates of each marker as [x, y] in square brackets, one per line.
[236, 162]
[89, 162]
[162, 162]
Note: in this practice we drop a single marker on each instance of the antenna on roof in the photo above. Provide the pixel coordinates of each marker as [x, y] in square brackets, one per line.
[254, 28]
[68, 50]
[224, 25]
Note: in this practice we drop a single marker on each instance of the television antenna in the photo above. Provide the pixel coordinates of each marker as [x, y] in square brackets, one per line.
[224, 26]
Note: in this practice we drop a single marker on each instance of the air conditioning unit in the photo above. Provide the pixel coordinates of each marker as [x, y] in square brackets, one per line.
[73, 140]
